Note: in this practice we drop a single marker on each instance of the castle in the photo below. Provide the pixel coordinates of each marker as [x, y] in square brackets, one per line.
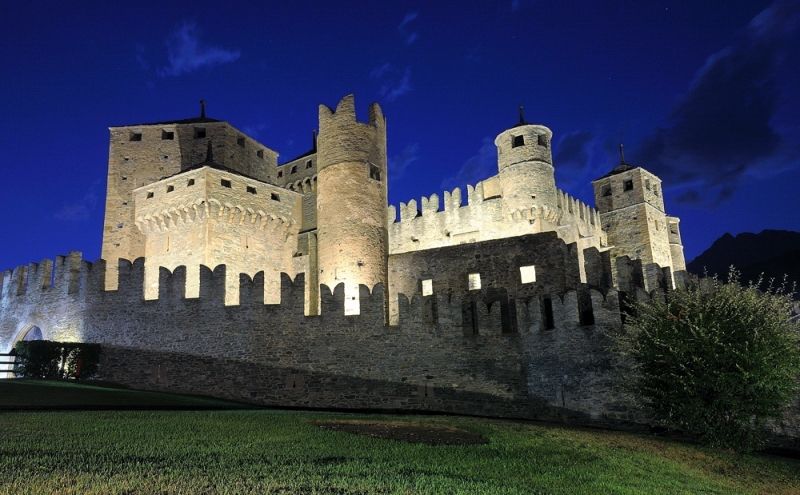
[200, 192]
[227, 274]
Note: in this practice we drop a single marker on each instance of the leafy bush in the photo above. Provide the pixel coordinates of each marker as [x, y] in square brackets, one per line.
[62, 360]
[715, 360]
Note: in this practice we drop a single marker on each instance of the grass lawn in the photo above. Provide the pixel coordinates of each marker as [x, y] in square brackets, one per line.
[268, 451]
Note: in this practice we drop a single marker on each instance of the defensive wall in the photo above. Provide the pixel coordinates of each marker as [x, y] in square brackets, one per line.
[451, 351]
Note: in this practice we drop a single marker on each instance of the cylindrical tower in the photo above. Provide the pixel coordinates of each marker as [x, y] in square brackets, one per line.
[525, 162]
[352, 237]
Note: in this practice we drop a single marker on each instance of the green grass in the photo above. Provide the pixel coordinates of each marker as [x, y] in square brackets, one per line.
[267, 451]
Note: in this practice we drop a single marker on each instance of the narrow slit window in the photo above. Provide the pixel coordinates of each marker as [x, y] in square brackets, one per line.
[167, 135]
[547, 313]
[274, 197]
[517, 141]
[251, 189]
[374, 172]
[260, 153]
[199, 132]
[474, 281]
[427, 287]
[225, 183]
[527, 274]
[136, 136]
[280, 173]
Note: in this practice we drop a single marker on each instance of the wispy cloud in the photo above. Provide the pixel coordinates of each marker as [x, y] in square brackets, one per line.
[399, 164]
[187, 53]
[81, 209]
[409, 35]
[723, 127]
[394, 82]
[479, 166]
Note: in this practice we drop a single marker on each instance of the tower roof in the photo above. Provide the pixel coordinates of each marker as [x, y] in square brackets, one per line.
[201, 119]
[623, 166]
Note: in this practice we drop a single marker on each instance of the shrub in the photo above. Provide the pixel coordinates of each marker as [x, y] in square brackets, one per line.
[715, 360]
[60, 360]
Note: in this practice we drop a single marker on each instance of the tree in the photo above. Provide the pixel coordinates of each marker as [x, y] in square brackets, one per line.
[715, 360]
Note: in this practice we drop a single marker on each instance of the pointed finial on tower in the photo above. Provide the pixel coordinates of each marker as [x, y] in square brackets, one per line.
[621, 153]
[210, 153]
[522, 115]
[202, 109]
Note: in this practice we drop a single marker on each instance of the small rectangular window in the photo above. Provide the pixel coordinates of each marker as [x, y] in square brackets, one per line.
[606, 191]
[474, 281]
[280, 173]
[541, 140]
[427, 287]
[199, 132]
[251, 189]
[136, 136]
[170, 188]
[260, 153]
[628, 185]
[190, 182]
[274, 197]
[167, 135]
[308, 164]
[150, 194]
[374, 172]
[517, 141]
[225, 183]
[647, 184]
[294, 169]
[240, 141]
[527, 274]
[119, 225]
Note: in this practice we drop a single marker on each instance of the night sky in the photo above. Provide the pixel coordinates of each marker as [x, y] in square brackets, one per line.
[704, 94]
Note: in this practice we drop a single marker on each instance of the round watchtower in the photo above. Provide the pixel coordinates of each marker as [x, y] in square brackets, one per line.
[352, 236]
[525, 162]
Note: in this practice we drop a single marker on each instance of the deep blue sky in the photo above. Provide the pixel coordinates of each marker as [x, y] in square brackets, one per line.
[706, 94]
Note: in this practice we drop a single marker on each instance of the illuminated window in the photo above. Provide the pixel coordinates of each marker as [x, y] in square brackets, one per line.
[474, 281]
[517, 141]
[427, 287]
[136, 136]
[167, 135]
[225, 183]
[527, 274]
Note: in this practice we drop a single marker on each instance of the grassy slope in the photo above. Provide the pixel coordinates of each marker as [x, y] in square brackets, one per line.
[36, 394]
[265, 451]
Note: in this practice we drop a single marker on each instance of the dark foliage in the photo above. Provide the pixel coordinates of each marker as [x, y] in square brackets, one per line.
[716, 360]
[58, 360]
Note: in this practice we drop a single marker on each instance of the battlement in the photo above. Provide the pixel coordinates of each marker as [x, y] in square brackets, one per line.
[72, 278]
[342, 138]
[576, 212]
